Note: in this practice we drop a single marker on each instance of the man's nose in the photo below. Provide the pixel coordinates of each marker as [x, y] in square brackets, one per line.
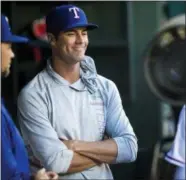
[79, 38]
[12, 54]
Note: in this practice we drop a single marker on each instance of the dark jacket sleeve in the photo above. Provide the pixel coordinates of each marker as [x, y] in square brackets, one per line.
[9, 170]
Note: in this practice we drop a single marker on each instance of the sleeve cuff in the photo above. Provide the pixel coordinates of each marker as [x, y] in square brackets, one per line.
[121, 152]
[174, 161]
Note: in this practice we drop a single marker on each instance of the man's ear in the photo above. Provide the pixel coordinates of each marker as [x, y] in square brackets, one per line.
[51, 39]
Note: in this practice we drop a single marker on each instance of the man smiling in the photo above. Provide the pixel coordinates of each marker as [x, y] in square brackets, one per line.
[67, 108]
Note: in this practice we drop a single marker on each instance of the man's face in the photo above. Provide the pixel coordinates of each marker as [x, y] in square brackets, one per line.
[6, 58]
[71, 45]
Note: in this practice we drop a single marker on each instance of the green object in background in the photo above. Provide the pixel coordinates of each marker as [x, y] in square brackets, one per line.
[174, 8]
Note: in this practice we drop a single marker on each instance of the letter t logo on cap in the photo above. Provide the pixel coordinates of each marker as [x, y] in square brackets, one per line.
[74, 9]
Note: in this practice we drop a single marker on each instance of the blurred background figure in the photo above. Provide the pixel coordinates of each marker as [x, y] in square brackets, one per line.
[164, 68]
[176, 154]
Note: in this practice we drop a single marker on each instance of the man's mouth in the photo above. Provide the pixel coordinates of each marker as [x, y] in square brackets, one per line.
[79, 48]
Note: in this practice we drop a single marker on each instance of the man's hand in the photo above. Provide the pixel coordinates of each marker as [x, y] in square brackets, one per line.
[43, 175]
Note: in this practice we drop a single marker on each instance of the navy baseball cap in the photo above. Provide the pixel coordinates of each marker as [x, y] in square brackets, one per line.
[67, 17]
[6, 34]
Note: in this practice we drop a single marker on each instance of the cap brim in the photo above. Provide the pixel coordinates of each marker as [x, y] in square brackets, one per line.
[17, 39]
[89, 26]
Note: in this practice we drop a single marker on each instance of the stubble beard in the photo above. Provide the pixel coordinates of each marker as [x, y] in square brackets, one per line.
[74, 59]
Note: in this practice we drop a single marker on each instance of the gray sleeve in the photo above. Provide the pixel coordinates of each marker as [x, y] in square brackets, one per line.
[37, 130]
[119, 128]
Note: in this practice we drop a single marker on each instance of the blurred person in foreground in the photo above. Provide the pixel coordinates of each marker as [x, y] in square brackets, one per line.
[14, 159]
[176, 155]
[65, 111]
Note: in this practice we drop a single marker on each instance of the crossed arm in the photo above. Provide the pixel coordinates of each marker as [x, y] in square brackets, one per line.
[80, 163]
[122, 145]
[89, 154]
[100, 151]
[44, 141]
[75, 156]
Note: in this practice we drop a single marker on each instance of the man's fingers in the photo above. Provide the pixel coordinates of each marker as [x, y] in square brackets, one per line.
[42, 171]
[52, 175]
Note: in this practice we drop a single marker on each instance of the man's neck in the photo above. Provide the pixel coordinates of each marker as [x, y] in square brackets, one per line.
[70, 72]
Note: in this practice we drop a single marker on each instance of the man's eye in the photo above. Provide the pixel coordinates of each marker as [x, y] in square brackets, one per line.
[70, 34]
[84, 33]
